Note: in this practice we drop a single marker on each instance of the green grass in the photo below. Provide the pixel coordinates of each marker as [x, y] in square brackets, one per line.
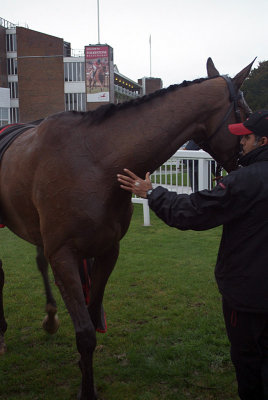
[166, 338]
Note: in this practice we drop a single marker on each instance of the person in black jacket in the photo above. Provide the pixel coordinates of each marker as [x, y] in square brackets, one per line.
[239, 202]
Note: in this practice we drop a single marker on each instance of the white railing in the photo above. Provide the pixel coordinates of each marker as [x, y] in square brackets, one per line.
[120, 89]
[186, 171]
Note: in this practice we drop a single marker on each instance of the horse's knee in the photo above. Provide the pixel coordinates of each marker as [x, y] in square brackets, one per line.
[86, 342]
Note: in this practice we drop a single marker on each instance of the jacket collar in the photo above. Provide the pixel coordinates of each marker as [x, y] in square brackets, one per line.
[258, 154]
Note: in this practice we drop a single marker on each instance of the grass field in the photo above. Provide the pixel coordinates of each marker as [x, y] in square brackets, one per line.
[166, 338]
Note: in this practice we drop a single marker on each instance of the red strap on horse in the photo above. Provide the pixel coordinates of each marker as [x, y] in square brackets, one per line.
[86, 285]
[7, 126]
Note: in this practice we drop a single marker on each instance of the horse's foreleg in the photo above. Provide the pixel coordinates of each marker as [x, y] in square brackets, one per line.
[101, 269]
[3, 324]
[50, 322]
[65, 267]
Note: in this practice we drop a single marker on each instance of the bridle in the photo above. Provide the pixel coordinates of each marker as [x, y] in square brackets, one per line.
[237, 102]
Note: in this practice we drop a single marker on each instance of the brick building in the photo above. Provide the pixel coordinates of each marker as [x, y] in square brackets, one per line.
[44, 76]
[150, 85]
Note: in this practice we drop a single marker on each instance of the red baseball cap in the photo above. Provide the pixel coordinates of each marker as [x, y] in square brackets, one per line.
[257, 123]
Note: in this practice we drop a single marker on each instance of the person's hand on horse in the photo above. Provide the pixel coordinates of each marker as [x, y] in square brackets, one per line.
[133, 183]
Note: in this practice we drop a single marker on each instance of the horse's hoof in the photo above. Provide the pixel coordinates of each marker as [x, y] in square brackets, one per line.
[51, 326]
[51, 321]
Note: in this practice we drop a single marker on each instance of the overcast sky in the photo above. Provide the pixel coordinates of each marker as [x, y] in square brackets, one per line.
[184, 33]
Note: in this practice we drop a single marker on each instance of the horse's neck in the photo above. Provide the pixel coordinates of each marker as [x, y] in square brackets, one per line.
[151, 132]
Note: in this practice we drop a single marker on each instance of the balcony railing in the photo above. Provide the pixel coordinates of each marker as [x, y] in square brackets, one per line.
[6, 24]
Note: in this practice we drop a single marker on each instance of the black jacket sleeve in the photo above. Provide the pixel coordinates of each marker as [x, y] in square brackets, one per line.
[206, 209]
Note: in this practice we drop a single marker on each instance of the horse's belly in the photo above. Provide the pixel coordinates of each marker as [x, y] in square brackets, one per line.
[91, 230]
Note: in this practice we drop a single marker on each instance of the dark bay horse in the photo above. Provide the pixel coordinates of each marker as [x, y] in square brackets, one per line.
[59, 190]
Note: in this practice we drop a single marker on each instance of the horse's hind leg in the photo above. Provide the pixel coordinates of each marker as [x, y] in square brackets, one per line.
[3, 324]
[50, 322]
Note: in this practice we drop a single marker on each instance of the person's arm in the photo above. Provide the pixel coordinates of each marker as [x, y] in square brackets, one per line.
[201, 210]
[197, 211]
[180, 211]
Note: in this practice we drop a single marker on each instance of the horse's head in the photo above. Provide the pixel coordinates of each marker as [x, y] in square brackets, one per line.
[232, 108]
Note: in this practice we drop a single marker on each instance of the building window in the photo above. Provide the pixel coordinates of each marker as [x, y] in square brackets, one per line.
[75, 101]
[14, 91]
[74, 71]
[66, 72]
[3, 116]
[12, 66]
[81, 71]
[11, 42]
[14, 115]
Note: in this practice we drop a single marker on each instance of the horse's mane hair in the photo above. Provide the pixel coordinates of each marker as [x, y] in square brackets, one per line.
[103, 112]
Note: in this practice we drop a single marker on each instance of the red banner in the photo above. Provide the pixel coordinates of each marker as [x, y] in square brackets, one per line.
[97, 73]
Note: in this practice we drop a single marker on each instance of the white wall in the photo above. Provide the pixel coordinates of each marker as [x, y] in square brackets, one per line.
[4, 98]
[4, 106]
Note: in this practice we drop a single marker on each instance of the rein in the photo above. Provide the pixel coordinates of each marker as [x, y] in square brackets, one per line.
[234, 105]
[234, 98]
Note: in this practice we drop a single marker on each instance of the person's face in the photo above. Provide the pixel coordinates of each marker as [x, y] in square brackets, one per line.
[249, 143]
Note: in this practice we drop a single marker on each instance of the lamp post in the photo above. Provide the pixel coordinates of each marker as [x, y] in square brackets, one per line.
[98, 11]
[150, 45]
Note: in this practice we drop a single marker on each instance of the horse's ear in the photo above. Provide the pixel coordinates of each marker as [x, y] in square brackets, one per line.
[211, 70]
[242, 75]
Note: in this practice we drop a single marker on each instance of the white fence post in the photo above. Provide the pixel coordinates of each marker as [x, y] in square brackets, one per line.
[203, 174]
[146, 213]
[146, 209]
